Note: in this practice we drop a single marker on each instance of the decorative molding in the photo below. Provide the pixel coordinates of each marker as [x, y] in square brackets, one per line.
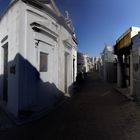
[36, 14]
[4, 39]
[67, 44]
[37, 27]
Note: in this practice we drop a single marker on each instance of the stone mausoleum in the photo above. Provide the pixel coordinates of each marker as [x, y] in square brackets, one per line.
[38, 56]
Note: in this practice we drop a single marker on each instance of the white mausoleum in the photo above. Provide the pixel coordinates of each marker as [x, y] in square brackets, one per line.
[38, 55]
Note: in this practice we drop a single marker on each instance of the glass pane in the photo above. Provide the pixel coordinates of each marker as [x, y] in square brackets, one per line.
[43, 62]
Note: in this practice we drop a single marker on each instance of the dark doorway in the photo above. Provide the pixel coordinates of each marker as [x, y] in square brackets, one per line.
[5, 72]
[66, 71]
[73, 70]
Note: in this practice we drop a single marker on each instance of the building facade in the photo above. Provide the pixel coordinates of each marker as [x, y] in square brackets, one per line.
[80, 62]
[38, 55]
[123, 50]
[85, 63]
[98, 64]
[109, 72]
[136, 66]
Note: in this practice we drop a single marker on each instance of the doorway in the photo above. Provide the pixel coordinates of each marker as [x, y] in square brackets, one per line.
[66, 71]
[5, 72]
[73, 70]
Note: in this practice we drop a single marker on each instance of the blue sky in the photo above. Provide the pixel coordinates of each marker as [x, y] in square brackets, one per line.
[98, 22]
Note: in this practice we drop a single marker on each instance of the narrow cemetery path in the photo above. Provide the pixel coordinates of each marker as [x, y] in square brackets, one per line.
[97, 112]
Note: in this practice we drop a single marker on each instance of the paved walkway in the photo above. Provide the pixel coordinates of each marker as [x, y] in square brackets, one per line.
[97, 112]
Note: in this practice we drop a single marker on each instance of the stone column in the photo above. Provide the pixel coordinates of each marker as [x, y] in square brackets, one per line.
[119, 73]
[131, 73]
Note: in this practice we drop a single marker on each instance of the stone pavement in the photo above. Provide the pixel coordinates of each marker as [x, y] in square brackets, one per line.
[125, 92]
[96, 112]
[5, 121]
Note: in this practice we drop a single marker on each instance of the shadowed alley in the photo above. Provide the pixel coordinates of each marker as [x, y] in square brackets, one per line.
[96, 112]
